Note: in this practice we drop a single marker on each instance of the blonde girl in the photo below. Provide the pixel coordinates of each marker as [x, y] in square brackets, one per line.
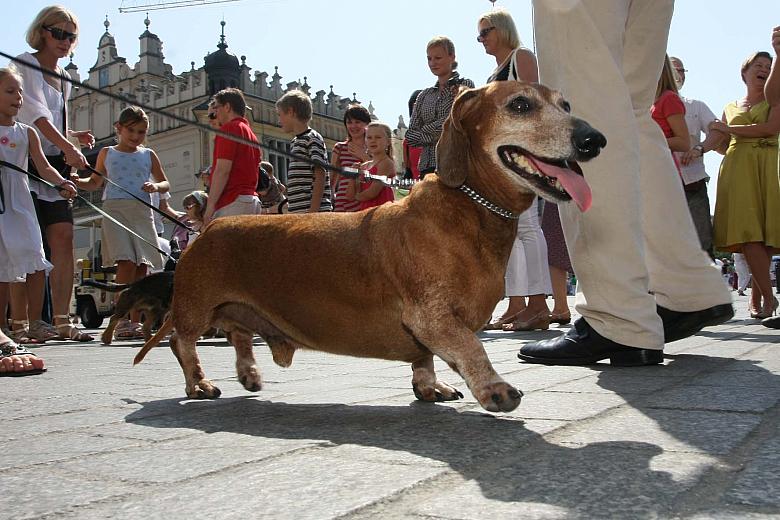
[138, 170]
[371, 193]
[21, 249]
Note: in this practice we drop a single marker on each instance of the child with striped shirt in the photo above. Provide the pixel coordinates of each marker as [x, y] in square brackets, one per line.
[308, 186]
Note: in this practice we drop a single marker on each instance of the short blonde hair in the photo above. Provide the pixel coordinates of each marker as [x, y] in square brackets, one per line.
[299, 102]
[505, 27]
[6, 71]
[446, 44]
[51, 15]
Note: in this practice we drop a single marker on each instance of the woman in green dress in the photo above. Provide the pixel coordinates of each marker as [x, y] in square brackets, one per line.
[747, 208]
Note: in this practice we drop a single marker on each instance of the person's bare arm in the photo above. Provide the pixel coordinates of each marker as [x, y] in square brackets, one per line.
[525, 65]
[772, 85]
[73, 156]
[45, 170]
[680, 140]
[218, 182]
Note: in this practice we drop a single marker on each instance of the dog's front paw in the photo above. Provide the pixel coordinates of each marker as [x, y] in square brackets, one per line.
[107, 337]
[439, 392]
[203, 390]
[499, 397]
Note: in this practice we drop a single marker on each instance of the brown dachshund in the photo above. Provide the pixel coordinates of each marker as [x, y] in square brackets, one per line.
[403, 281]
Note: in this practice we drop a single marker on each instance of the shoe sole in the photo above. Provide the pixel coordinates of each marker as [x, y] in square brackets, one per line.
[642, 357]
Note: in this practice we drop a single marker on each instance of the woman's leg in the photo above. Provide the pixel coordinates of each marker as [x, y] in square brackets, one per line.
[60, 239]
[558, 279]
[758, 258]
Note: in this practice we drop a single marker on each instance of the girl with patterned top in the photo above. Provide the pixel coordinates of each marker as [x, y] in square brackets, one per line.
[433, 104]
[372, 193]
[349, 154]
[138, 170]
[21, 248]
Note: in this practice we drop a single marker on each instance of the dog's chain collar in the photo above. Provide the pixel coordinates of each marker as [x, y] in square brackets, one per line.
[482, 201]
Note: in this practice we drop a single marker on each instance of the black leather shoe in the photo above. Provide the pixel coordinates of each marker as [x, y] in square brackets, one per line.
[772, 323]
[679, 325]
[582, 345]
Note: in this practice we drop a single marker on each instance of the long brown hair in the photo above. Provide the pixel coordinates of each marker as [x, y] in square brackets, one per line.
[666, 81]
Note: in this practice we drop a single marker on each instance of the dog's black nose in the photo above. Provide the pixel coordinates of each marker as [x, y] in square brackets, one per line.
[587, 140]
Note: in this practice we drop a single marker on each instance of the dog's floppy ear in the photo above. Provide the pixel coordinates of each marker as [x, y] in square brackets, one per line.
[452, 150]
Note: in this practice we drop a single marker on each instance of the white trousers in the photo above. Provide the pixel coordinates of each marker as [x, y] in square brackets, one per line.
[527, 272]
[637, 244]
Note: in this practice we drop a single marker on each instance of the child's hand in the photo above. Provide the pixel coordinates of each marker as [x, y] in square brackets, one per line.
[149, 187]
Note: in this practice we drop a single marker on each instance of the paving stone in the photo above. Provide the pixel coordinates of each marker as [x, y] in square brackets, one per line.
[304, 486]
[708, 397]
[671, 430]
[759, 483]
[59, 446]
[565, 406]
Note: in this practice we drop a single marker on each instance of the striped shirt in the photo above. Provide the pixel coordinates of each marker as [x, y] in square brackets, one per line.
[300, 174]
[345, 160]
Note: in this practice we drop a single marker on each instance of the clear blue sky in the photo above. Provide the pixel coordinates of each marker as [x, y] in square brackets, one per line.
[377, 48]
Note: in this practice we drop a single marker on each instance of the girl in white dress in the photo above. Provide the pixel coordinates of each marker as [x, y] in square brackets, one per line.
[21, 248]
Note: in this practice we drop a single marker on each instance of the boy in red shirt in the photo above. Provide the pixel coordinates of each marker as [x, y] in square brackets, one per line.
[234, 168]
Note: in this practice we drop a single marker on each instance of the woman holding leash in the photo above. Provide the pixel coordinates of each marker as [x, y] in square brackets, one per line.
[53, 35]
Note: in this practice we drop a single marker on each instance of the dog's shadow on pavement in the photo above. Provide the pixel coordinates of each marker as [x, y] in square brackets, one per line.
[507, 461]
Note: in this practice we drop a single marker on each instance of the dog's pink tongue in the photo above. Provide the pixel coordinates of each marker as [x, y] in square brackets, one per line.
[573, 183]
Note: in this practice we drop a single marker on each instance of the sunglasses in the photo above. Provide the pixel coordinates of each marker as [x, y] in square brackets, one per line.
[483, 33]
[212, 115]
[61, 34]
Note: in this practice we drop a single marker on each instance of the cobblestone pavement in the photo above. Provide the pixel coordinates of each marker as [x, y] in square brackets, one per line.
[339, 437]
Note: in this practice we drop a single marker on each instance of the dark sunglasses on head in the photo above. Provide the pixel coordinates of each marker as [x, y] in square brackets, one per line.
[212, 115]
[483, 33]
[61, 34]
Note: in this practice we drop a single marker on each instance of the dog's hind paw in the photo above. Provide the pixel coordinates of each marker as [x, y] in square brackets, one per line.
[204, 390]
[251, 382]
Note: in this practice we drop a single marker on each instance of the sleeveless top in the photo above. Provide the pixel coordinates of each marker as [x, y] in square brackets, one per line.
[507, 71]
[346, 160]
[130, 170]
[386, 195]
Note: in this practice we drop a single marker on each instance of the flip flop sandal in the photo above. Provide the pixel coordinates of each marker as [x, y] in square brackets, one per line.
[9, 349]
[20, 335]
[128, 330]
[68, 331]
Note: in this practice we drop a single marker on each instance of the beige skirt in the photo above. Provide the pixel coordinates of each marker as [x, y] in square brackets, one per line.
[118, 244]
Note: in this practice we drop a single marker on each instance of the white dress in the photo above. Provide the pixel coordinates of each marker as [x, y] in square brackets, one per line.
[21, 247]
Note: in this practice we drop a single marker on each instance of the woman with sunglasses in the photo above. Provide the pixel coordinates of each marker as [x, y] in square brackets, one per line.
[528, 273]
[53, 35]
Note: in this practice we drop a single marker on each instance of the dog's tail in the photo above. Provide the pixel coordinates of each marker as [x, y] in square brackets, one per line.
[106, 286]
[155, 340]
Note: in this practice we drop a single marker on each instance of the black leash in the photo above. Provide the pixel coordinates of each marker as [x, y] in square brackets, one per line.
[88, 203]
[139, 199]
[175, 117]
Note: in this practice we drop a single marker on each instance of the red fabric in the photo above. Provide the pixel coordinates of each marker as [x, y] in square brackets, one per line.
[413, 153]
[242, 179]
[385, 195]
[668, 104]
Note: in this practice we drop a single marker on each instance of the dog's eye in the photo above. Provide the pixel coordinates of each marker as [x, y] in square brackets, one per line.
[521, 105]
[566, 106]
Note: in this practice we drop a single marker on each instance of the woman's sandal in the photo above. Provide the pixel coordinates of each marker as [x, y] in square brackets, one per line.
[41, 331]
[563, 318]
[127, 330]
[68, 331]
[540, 321]
[20, 335]
[11, 349]
[500, 322]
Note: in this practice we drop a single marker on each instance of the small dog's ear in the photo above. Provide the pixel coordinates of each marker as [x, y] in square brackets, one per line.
[452, 150]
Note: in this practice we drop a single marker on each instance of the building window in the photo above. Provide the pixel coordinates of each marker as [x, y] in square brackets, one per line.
[103, 78]
[279, 161]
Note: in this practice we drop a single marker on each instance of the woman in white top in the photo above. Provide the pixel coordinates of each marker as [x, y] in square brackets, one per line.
[528, 273]
[53, 35]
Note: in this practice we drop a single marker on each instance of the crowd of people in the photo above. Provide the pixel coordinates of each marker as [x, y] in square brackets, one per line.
[643, 284]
